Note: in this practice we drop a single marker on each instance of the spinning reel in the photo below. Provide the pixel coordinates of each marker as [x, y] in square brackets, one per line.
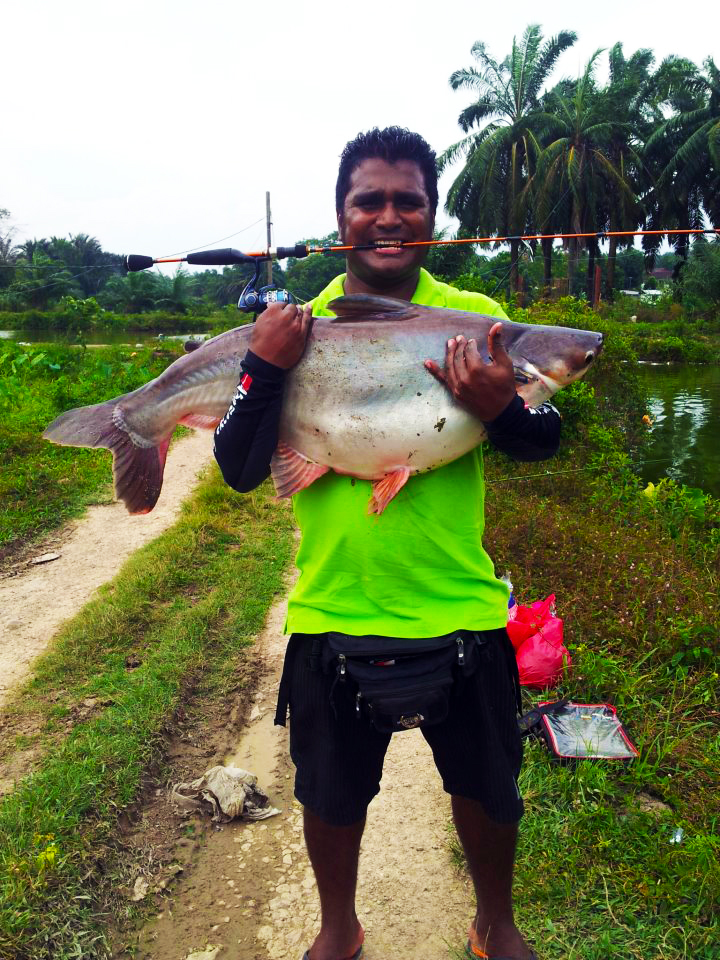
[254, 299]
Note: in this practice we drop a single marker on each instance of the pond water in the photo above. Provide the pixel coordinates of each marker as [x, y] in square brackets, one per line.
[684, 405]
[128, 337]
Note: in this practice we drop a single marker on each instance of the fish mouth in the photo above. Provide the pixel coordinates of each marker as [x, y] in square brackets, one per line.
[527, 372]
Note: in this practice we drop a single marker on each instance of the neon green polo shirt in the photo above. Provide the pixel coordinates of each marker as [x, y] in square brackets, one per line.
[417, 570]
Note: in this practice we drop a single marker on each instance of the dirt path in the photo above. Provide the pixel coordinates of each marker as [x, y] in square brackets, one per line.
[250, 891]
[35, 600]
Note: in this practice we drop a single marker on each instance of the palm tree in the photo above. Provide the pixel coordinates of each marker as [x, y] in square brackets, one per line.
[9, 251]
[628, 100]
[489, 195]
[576, 166]
[684, 150]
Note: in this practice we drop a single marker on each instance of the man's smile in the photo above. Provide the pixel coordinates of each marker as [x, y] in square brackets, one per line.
[388, 248]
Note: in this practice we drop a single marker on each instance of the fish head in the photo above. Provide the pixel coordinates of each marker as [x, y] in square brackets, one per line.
[545, 359]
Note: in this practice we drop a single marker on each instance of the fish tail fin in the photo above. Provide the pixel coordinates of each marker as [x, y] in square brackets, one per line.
[138, 465]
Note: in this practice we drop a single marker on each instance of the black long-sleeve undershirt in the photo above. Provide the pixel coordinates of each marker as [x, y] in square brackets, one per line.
[526, 433]
[247, 436]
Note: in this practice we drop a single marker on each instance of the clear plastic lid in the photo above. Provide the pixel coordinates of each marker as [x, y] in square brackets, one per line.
[588, 730]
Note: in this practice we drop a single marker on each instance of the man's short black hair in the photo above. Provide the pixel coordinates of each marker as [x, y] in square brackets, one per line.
[391, 144]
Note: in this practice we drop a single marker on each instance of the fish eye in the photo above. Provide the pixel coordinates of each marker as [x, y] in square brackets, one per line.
[589, 356]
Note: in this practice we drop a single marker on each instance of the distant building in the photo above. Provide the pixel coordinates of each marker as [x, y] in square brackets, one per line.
[661, 273]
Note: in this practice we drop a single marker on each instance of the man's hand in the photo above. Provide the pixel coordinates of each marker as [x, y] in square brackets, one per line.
[484, 389]
[280, 332]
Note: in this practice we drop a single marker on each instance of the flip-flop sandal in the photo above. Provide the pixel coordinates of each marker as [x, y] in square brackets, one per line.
[355, 956]
[475, 953]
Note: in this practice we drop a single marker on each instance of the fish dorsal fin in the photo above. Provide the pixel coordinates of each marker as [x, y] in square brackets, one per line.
[364, 306]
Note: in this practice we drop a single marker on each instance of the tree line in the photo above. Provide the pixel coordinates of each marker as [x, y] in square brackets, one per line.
[640, 151]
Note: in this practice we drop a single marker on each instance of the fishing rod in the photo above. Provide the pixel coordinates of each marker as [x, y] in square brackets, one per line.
[254, 299]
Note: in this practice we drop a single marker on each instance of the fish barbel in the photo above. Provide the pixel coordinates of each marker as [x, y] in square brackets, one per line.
[359, 402]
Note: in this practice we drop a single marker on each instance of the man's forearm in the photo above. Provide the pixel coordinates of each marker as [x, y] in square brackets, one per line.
[526, 433]
[247, 436]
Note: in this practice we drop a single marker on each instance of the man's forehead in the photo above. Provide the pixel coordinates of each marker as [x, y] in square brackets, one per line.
[373, 174]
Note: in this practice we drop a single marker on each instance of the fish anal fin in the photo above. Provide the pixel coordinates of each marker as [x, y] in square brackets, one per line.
[292, 472]
[386, 488]
[363, 306]
[138, 474]
[202, 420]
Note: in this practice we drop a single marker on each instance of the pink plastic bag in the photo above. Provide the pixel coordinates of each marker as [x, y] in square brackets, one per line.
[537, 636]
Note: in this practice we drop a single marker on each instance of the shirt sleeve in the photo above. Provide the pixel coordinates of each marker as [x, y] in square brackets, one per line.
[246, 437]
[526, 433]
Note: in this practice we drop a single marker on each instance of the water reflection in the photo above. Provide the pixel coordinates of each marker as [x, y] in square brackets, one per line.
[684, 405]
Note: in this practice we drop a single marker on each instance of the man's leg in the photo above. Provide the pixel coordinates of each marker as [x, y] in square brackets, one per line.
[490, 852]
[334, 854]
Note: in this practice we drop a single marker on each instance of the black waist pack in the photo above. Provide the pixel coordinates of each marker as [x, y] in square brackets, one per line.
[401, 684]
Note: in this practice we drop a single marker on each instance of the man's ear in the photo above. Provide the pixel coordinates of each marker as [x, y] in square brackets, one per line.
[340, 225]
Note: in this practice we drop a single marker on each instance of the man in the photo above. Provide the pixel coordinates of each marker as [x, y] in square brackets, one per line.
[355, 580]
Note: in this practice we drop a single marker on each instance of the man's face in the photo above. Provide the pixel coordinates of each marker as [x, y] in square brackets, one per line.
[386, 201]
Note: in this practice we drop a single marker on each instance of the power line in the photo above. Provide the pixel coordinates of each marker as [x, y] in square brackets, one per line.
[219, 240]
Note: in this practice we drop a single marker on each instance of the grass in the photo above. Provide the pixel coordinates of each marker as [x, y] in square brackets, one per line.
[597, 874]
[41, 484]
[183, 613]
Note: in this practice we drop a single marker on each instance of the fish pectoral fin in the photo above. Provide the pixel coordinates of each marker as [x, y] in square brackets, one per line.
[364, 306]
[202, 420]
[292, 472]
[384, 490]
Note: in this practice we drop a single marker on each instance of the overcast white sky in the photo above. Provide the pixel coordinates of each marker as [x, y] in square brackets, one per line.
[157, 126]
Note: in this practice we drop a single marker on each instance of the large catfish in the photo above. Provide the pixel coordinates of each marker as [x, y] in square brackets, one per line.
[360, 402]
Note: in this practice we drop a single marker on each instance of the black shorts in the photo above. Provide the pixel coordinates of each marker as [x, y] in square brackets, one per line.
[339, 757]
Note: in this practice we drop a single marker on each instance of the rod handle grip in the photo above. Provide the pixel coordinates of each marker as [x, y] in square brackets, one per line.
[136, 261]
[219, 258]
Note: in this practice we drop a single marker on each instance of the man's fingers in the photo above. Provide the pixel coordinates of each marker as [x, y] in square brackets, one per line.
[306, 318]
[435, 371]
[472, 355]
[496, 347]
[456, 357]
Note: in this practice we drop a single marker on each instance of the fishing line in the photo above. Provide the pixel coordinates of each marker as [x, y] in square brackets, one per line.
[544, 224]
[557, 473]
[219, 240]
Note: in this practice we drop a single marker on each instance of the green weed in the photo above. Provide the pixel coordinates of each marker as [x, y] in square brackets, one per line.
[182, 612]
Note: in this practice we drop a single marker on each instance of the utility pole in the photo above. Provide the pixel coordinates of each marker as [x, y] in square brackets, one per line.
[269, 239]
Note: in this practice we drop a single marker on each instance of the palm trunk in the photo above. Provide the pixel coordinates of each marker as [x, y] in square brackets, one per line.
[514, 251]
[610, 283]
[590, 280]
[573, 261]
[547, 267]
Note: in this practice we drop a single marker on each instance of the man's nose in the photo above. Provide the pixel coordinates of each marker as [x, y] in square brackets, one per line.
[388, 216]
